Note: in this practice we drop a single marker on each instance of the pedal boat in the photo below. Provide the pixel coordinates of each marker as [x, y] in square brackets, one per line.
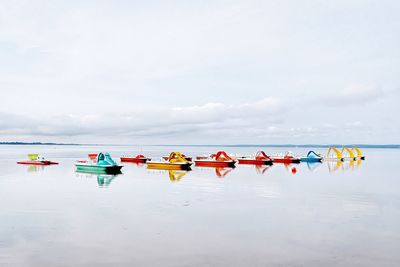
[260, 159]
[221, 159]
[102, 164]
[176, 161]
[286, 159]
[333, 154]
[359, 154]
[311, 157]
[35, 159]
[347, 154]
[136, 159]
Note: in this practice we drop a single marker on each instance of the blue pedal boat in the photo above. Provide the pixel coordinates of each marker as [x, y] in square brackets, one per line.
[311, 157]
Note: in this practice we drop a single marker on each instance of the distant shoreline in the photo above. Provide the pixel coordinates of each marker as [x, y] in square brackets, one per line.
[38, 144]
[386, 146]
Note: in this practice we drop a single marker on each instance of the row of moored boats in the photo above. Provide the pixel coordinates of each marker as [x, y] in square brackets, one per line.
[103, 162]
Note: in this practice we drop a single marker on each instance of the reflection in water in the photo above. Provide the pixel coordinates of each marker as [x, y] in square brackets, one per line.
[176, 175]
[38, 168]
[343, 165]
[219, 171]
[103, 179]
[313, 165]
[290, 168]
[261, 169]
[222, 171]
[137, 164]
[334, 165]
[35, 168]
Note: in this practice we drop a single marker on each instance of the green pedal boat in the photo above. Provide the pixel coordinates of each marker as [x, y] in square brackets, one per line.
[102, 164]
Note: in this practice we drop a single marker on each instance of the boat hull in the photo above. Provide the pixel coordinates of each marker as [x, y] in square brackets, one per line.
[310, 159]
[98, 169]
[35, 162]
[134, 160]
[214, 163]
[285, 160]
[333, 159]
[168, 166]
[254, 161]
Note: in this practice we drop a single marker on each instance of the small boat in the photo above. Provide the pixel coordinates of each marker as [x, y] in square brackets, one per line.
[137, 159]
[102, 164]
[36, 159]
[183, 155]
[260, 159]
[347, 154]
[359, 154]
[221, 159]
[176, 161]
[311, 157]
[333, 154]
[287, 158]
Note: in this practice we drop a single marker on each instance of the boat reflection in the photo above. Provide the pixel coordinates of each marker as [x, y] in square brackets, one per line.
[345, 165]
[103, 179]
[261, 169]
[291, 167]
[176, 175]
[313, 165]
[334, 165]
[35, 168]
[223, 171]
[136, 164]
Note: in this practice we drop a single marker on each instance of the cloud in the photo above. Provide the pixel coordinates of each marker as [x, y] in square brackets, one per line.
[209, 119]
[354, 95]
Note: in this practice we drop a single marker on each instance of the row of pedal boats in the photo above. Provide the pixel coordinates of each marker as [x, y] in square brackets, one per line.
[103, 162]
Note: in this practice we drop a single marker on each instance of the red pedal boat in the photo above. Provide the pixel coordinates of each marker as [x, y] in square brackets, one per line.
[137, 159]
[260, 159]
[287, 158]
[221, 159]
[35, 159]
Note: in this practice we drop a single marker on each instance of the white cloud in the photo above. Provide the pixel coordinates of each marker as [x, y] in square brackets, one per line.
[206, 119]
[354, 95]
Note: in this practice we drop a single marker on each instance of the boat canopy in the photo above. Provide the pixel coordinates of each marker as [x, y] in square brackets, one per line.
[33, 156]
[357, 151]
[105, 159]
[312, 154]
[333, 152]
[221, 156]
[347, 152]
[177, 157]
[261, 155]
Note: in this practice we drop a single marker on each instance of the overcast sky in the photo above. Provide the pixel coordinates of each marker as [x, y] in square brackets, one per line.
[200, 72]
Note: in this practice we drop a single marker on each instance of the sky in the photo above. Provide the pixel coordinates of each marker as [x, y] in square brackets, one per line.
[200, 72]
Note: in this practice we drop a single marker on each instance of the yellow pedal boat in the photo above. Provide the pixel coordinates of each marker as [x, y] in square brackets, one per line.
[176, 161]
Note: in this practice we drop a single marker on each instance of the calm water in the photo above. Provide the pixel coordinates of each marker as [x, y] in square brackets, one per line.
[315, 215]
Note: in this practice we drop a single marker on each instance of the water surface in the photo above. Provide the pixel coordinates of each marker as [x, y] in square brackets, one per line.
[300, 215]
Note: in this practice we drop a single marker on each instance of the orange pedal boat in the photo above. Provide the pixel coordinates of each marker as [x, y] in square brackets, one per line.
[138, 159]
[221, 159]
[260, 159]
